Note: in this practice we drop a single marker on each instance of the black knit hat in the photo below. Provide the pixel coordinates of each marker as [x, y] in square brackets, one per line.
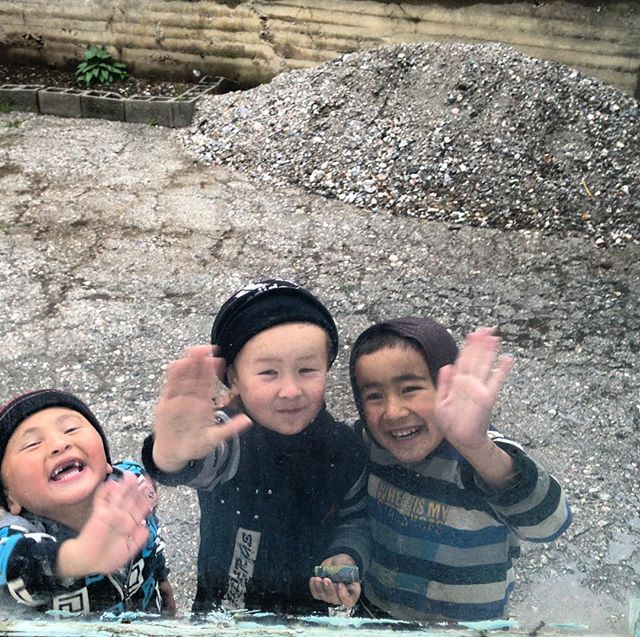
[21, 407]
[265, 304]
[432, 338]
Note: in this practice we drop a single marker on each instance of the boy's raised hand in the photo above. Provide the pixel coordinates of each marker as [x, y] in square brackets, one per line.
[185, 428]
[339, 594]
[468, 390]
[466, 394]
[115, 531]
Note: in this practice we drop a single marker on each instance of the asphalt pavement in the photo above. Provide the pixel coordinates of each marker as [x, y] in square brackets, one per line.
[116, 249]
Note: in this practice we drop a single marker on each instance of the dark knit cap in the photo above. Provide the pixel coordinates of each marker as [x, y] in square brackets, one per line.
[21, 407]
[265, 304]
[432, 338]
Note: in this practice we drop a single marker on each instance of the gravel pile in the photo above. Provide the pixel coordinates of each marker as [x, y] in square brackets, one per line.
[468, 134]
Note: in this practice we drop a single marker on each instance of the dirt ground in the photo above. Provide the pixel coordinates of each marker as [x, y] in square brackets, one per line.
[116, 249]
[43, 75]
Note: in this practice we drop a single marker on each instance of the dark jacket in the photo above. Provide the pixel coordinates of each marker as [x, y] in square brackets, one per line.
[272, 507]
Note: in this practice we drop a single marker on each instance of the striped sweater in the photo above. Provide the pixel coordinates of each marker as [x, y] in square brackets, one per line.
[443, 544]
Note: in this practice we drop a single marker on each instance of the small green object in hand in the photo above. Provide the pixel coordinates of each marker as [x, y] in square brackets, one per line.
[338, 574]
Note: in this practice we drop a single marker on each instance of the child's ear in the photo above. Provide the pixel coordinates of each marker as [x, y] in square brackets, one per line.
[232, 397]
[231, 378]
[14, 507]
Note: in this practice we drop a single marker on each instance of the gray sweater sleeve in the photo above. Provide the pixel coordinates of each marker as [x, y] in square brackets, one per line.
[535, 506]
[205, 474]
[352, 534]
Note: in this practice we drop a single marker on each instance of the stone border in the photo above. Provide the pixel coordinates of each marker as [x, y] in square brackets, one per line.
[174, 112]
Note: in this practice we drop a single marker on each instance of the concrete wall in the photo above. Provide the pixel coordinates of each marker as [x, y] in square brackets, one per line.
[252, 41]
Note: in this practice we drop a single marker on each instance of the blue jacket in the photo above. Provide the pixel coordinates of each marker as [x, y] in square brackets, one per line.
[29, 547]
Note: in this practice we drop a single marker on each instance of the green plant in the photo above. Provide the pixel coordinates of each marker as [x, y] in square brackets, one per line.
[6, 107]
[99, 66]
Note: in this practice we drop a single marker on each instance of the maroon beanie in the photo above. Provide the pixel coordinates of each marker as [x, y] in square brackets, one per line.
[21, 407]
[431, 338]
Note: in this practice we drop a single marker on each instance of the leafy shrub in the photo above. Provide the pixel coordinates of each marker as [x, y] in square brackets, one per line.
[98, 66]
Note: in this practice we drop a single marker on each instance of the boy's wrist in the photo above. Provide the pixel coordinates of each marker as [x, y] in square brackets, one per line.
[155, 460]
[479, 454]
[71, 562]
[493, 465]
[166, 462]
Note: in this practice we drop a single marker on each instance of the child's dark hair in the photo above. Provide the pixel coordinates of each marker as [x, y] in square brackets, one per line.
[424, 335]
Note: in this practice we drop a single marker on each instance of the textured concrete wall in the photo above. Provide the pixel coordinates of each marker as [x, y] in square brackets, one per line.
[252, 41]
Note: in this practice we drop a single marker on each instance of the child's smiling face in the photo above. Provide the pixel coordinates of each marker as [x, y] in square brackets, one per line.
[280, 375]
[398, 398]
[53, 463]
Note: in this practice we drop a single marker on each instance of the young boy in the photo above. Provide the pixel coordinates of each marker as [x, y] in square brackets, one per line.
[290, 492]
[449, 496]
[70, 538]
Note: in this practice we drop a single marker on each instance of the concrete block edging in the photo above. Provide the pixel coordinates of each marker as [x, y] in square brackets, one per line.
[21, 97]
[173, 112]
[59, 101]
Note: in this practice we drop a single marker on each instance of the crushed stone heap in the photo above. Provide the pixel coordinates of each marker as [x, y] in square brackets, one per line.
[467, 134]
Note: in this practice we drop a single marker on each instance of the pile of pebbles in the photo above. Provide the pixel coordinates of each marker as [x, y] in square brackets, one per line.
[467, 134]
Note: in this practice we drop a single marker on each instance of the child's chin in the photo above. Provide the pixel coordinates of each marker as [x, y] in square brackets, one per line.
[289, 430]
[75, 491]
[407, 458]
[410, 451]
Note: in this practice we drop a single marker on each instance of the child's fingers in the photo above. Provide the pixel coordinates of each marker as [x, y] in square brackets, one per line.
[219, 364]
[324, 590]
[443, 387]
[123, 500]
[195, 373]
[465, 362]
[136, 539]
[316, 588]
[137, 503]
[219, 367]
[148, 489]
[348, 594]
[486, 358]
[478, 354]
[201, 351]
[217, 433]
[498, 377]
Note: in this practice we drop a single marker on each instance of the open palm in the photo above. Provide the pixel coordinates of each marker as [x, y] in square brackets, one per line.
[185, 428]
[468, 390]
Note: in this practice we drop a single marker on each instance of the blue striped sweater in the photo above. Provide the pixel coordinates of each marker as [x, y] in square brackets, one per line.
[443, 543]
